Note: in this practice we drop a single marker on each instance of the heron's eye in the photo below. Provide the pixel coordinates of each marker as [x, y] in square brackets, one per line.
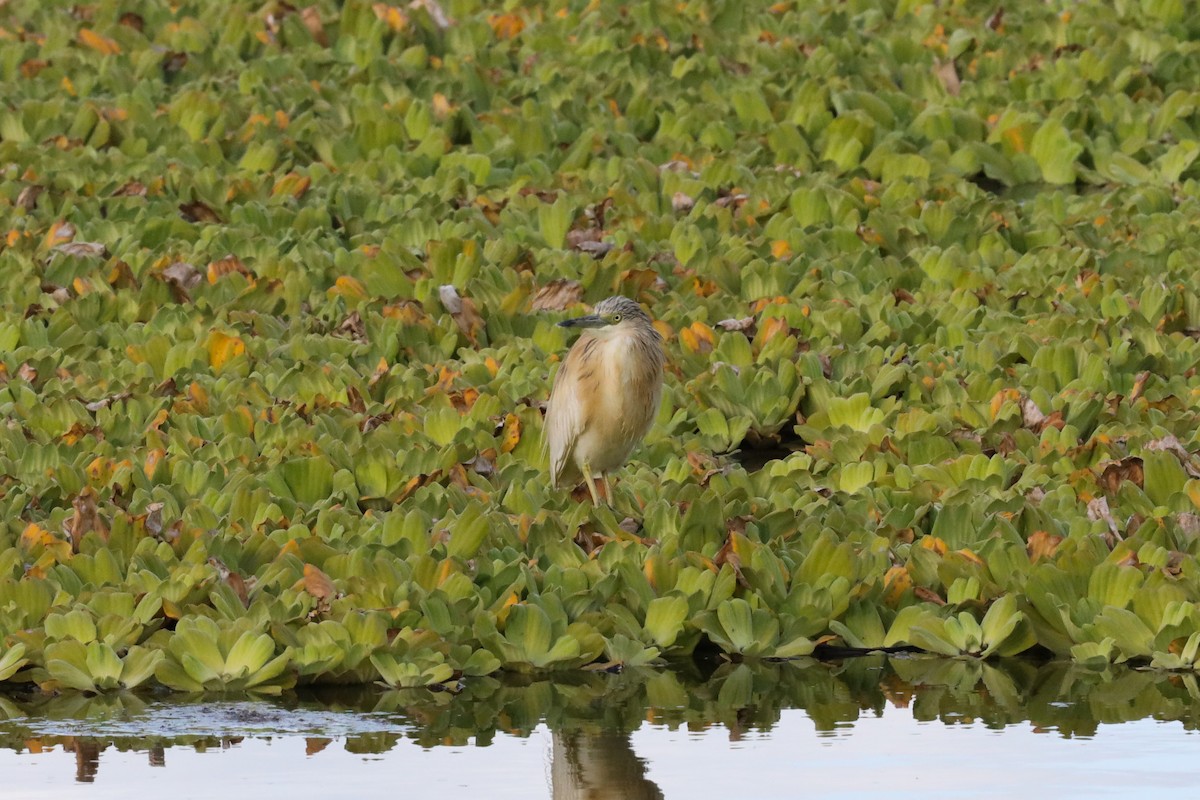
[616, 318]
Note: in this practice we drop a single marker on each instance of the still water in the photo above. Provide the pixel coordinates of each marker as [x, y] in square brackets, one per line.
[907, 727]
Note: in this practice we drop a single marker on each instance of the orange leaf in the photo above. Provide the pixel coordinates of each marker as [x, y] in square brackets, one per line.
[101, 44]
[225, 266]
[780, 248]
[223, 347]
[396, 19]
[350, 288]
[506, 26]
[1042, 545]
[35, 535]
[897, 581]
[771, 327]
[444, 571]
[512, 433]
[697, 337]
[935, 544]
[59, 232]
[318, 584]
[292, 183]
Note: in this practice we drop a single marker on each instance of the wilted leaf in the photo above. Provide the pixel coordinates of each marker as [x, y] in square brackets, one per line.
[559, 294]
[101, 44]
[1115, 473]
[947, 73]
[463, 311]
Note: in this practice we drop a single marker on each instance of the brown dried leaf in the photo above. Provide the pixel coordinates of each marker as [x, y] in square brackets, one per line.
[1189, 524]
[1139, 386]
[1116, 472]
[234, 580]
[1042, 544]
[947, 73]
[318, 584]
[682, 203]
[1171, 444]
[131, 189]
[105, 402]
[1031, 416]
[435, 12]
[577, 236]
[85, 519]
[996, 20]
[353, 327]
[153, 520]
[596, 250]
[929, 595]
[732, 200]
[182, 277]
[82, 249]
[198, 212]
[1098, 510]
[28, 198]
[462, 309]
[559, 294]
[311, 17]
[745, 325]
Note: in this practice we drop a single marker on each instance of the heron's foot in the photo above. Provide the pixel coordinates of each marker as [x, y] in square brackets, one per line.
[591, 484]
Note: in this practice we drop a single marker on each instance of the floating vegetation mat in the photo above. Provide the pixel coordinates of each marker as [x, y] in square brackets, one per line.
[278, 326]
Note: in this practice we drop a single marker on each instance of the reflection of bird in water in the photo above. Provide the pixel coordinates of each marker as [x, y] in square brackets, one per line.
[598, 766]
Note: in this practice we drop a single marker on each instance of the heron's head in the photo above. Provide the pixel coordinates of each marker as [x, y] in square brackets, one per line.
[613, 316]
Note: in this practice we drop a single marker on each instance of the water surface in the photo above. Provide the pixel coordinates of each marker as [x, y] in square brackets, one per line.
[907, 727]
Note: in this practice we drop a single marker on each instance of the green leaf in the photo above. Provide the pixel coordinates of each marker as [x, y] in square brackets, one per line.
[1055, 152]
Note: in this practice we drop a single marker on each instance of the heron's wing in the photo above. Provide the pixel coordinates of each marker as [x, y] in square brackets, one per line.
[564, 422]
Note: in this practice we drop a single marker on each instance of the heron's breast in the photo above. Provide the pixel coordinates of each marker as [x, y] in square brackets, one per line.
[631, 385]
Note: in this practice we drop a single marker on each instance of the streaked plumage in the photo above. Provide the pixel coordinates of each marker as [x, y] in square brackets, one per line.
[606, 393]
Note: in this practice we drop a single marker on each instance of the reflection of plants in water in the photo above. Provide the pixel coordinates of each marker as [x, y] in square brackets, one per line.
[1058, 697]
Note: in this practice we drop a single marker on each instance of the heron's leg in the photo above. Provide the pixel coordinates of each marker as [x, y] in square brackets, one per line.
[608, 495]
[591, 483]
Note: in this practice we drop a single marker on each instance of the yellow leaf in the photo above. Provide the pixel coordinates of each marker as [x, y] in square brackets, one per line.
[395, 19]
[153, 458]
[101, 44]
[292, 184]
[935, 544]
[223, 347]
[349, 287]
[512, 433]
[969, 555]
[444, 571]
[34, 535]
[99, 470]
[441, 106]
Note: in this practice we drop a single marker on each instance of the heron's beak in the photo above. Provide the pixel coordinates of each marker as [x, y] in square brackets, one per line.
[590, 321]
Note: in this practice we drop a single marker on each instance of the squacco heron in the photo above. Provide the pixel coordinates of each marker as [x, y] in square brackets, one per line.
[606, 394]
